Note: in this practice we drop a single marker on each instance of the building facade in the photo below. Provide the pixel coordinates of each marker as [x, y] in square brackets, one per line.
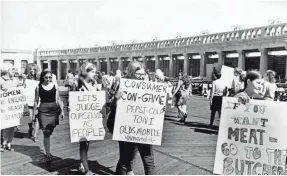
[259, 48]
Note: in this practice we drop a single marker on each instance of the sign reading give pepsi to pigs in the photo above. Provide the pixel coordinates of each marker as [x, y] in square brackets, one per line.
[85, 117]
[140, 112]
[252, 138]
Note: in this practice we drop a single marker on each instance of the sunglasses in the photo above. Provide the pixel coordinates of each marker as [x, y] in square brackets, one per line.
[48, 77]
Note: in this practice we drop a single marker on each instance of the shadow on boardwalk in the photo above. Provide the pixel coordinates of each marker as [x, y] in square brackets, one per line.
[58, 165]
[198, 127]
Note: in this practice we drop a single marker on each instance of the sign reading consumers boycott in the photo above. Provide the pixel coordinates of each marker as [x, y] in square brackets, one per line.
[86, 120]
[252, 138]
[140, 114]
[13, 106]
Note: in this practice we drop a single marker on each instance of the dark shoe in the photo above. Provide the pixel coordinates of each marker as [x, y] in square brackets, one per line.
[35, 139]
[9, 149]
[2, 148]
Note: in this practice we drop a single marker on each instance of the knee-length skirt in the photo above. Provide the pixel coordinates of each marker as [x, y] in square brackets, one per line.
[48, 114]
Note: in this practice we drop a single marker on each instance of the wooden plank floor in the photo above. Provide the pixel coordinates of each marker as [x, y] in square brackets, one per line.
[186, 149]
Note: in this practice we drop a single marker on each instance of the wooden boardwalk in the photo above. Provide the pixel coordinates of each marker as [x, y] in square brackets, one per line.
[186, 149]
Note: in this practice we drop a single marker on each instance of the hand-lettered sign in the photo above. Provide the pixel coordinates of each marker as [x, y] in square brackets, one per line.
[13, 106]
[85, 117]
[140, 113]
[252, 138]
[30, 91]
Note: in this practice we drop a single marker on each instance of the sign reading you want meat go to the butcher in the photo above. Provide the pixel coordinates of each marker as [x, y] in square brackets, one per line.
[252, 138]
[140, 112]
[13, 107]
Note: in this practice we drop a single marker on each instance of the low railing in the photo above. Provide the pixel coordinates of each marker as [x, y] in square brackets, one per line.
[244, 34]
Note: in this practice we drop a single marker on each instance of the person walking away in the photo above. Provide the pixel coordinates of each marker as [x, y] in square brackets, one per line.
[33, 74]
[7, 81]
[49, 110]
[270, 85]
[216, 95]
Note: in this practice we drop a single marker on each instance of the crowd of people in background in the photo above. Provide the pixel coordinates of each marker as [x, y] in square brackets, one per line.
[48, 107]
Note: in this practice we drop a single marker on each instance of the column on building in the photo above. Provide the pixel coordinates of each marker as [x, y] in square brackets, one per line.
[49, 64]
[108, 65]
[202, 65]
[77, 63]
[185, 63]
[241, 59]
[157, 62]
[144, 61]
[171, 65]
[120, 63]
[59, 69]
[220, 58]
[98, 64]
[68, 64]
[263, 60]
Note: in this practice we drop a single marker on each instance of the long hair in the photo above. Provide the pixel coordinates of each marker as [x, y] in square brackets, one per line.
[270, 76]
[251, 75]
[42, 75]
[132, 68]
[36, 76]
[84, 70]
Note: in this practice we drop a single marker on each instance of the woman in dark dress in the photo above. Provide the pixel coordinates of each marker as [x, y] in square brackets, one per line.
[49, 109]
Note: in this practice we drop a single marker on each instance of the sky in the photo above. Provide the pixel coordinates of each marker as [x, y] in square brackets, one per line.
[70, 24]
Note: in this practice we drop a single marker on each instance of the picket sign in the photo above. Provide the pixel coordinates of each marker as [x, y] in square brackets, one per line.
[140, 113]
[13, 107]
[85, 117]
[252, 138]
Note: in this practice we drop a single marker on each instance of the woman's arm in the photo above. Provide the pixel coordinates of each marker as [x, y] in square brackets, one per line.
[36, 101]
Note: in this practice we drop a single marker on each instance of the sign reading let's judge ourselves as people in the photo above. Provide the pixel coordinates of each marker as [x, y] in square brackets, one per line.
[252, 138]
[13, 106]
[140, 113]
[86, 120]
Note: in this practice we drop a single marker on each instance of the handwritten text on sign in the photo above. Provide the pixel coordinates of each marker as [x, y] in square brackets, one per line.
[252, 138]
[140, 114]
[30, 91]
[13, 107]
[86, 121]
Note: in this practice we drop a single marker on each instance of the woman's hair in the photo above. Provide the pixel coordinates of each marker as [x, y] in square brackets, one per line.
[42, 75]
[238, 70]
[83, 72]
[37, 71]
[5, 68]
[251, 75]
[268, 76]
[132, 68]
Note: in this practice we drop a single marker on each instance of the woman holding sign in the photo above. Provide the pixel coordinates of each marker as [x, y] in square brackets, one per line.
[33, 74]
[7, 81]
[49, 109]
[128, 150]
[86, 82]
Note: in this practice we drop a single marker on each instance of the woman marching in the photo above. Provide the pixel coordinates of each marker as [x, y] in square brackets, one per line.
[128, 150]
[50, 108]
[86, 82]
[7, 81]
[33, 74]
